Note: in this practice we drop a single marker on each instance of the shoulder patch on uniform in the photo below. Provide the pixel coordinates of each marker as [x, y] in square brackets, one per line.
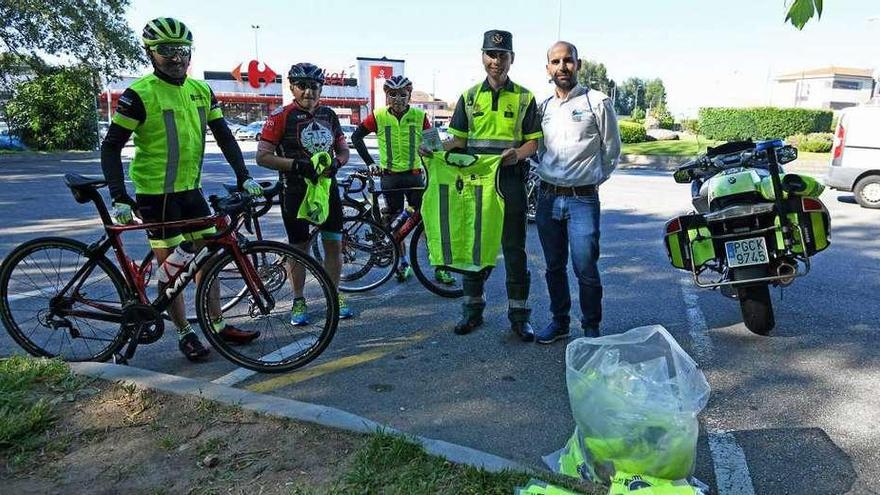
[277, 110]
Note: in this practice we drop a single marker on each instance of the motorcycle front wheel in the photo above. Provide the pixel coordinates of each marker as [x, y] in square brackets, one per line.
[757, 308]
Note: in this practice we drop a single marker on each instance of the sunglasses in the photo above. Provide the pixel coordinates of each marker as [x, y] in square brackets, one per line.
[304, 85]
[398, 94]
[171, 51]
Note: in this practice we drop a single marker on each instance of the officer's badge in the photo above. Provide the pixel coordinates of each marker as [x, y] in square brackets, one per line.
[497, 38]
[508, 112]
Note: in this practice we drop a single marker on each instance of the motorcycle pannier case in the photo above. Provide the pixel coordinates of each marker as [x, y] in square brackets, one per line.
[813, 219]
[688, 242]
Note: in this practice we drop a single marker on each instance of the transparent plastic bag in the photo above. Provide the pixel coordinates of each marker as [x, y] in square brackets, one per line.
[635, 398]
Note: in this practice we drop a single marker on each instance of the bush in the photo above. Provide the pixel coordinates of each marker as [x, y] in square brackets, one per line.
[631, 132]
[816, 142]
[728, 124]
[55, 111]
[691, 125]
[638, 115]
[664, 118]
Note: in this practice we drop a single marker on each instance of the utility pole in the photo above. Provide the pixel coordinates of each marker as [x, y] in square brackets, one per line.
[559, 23]
[256, 28]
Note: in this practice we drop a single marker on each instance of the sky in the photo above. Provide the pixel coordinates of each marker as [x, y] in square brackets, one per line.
[708, 52]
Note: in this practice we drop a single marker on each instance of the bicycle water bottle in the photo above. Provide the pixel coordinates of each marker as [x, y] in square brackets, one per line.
[175, 261]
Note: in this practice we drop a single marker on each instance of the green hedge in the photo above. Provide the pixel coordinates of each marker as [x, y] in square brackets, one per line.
[816, 142]
[691, 125]
[726, 124]
[632, 132]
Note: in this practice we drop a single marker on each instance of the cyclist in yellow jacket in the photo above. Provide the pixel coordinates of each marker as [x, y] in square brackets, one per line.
[168, 114]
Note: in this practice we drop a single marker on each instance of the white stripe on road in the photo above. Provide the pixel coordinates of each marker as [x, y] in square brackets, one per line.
[23, 295]
[697, 327]
[242, 374]
[731, 470]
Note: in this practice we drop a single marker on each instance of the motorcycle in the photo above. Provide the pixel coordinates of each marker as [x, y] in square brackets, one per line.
[753, 226]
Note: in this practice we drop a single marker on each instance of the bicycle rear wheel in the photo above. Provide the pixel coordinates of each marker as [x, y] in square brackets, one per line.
[281, 346]
[441, 282]
[81, 323]
[369, 254]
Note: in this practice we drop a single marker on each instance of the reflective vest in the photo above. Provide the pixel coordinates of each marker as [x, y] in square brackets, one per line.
[170, 143]
[399, 140]
[463, 212]
[493, 129]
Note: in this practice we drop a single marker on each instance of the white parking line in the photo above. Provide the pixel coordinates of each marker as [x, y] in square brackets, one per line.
[731, 470]
[698, 330]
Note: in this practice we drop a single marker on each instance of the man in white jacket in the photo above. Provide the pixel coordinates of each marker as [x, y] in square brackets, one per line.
[579, 151]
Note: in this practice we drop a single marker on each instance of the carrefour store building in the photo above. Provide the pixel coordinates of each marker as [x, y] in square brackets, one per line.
[250, 92]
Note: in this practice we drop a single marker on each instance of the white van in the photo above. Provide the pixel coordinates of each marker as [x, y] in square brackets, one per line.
[855, 156]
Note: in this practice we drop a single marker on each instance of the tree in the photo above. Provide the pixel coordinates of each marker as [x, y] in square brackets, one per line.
[92, 34]
[55, 111]
[655, 93]
[801, 11]
[595, 75]
[630, 95]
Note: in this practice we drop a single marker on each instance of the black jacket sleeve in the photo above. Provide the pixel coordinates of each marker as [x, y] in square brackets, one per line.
[111, 159]
[357, 139]
[229, 146]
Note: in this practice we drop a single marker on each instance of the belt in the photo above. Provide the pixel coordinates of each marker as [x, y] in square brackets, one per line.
[415, 171]
[587, 190]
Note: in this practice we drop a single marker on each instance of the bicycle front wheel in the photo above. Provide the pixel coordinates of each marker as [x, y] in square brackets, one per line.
[441, 282]
[58, 300]
[369, 254]
[282, 345]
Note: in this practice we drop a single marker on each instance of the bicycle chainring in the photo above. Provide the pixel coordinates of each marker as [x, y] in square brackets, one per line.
[142, 321]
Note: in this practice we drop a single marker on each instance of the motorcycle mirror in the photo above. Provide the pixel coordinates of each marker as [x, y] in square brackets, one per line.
[786, 154]
[682, 176]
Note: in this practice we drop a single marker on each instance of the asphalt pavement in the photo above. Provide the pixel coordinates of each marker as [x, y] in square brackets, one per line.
[796, 412]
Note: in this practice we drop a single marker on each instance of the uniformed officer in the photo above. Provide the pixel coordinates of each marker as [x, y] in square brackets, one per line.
[498, 116]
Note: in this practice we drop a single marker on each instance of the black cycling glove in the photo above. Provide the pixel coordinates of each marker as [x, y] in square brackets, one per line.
[304, 168]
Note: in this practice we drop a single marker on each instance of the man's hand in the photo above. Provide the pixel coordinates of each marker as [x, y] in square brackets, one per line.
[425, 152]
[508, 157]
[123, 206]
[304, 168]
[332, 169]
[252, 187]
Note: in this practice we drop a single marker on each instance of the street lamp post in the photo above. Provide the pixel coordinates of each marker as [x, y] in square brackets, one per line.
[256, 28]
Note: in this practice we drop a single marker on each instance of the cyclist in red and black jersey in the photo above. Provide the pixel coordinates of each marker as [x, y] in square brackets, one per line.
[290, 136]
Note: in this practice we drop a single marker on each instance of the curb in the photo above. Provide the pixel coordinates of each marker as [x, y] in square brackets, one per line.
[659, 162]
[68, 156]
[288, 408]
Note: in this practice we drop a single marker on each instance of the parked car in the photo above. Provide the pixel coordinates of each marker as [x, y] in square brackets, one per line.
[250, 132]
[348, 130]
[855, 156]
[9, 141]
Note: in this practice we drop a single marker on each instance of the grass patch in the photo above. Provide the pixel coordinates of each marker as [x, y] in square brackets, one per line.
[29, 390]
[391, 464]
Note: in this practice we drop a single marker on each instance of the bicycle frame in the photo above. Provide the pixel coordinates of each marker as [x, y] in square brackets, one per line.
[401, 231]
[227, 240]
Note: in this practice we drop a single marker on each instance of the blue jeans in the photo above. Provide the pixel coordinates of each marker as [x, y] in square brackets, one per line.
[571, 221]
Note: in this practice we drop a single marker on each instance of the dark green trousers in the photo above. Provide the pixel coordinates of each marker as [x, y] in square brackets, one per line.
[513, 246]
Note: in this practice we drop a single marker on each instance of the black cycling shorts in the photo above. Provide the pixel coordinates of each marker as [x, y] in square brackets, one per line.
[298, 230]
[170, 207]
[403, 180]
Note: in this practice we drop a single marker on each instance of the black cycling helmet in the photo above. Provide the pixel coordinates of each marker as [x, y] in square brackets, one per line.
[398, 82]
[166, 30]
[305, 71]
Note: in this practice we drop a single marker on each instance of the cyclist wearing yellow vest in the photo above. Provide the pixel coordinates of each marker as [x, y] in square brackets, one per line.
[398, 129]
[500, 117]
[168, 114]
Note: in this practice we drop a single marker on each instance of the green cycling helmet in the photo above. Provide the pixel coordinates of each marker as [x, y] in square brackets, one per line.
[166, 30]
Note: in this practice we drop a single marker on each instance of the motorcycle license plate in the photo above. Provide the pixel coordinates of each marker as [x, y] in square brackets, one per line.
[746, 252]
